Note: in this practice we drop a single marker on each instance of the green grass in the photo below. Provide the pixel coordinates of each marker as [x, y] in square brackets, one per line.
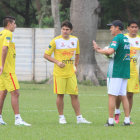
[37, 106]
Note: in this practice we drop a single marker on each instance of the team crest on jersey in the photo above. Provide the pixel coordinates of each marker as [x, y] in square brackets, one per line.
[72, 43]
[137, 42]
[62, 44]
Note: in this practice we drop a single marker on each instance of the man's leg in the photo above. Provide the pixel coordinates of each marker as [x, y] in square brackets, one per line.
[117, 109]
[130, 100]
[15, 101]
[111, 108]
[75, 104]
[126, 109]
[111, 105]
[118, 102]
[60, 107]
[2, 98]
[60, 103]
[15, 106]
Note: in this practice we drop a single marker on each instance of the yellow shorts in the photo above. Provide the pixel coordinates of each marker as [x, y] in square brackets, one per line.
[133, 84]
[8, 82]
[65, 85]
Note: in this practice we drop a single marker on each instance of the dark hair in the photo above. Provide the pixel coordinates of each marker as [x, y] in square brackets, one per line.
[67, 24]
[8, 19]
[132, 22]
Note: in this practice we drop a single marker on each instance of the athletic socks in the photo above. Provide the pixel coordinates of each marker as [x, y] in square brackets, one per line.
[79, 117]
[117, 111]
[17, 116]
[127, 119]
[111, 120]
[61, 116]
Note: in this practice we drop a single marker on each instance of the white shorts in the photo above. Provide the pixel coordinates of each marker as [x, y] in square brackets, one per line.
[117, 86]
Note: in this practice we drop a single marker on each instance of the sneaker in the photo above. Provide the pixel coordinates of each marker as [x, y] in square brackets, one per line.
[83, 120]
[20, 122]
[62, 121]
[116, 118]
[126, 124]
[2, 122]
[108, 124]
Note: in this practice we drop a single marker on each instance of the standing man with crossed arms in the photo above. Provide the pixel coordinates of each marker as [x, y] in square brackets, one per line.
[133, 83]
[8, 79]
[66, 58]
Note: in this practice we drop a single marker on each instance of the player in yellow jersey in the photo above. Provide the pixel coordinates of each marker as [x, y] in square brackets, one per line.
[133, 83]
[66, 58]
[8, 79]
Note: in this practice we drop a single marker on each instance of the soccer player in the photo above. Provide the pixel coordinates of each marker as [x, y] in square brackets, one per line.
[8, 79]
[66, 58]
[133, 82]
[118, 71]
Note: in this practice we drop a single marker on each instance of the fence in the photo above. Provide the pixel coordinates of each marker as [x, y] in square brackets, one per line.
[30, 47]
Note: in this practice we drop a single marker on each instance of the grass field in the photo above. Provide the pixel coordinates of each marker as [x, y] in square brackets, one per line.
[37, 105]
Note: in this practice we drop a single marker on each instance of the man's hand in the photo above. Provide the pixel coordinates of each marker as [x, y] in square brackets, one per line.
[95, 46]
[60, 64]
[1, 70]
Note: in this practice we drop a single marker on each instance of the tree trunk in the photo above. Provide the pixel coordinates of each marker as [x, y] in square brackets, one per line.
[56, 17]
[84, 17]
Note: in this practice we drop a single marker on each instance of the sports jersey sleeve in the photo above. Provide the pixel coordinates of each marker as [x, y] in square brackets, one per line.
[78, 48]
[51, 48]
[7, 39]
[115, 43]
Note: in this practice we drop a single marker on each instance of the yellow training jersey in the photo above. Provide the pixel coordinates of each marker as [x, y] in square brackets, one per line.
[64, 51]
[6, 40]
[133, 82]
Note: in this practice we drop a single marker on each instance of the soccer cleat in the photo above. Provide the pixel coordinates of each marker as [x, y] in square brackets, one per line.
[20, 122]
[108, 124]
[132, 123]
[126, 124]
[2, 122]
[83, 120]
[62, 121]
[116, 119]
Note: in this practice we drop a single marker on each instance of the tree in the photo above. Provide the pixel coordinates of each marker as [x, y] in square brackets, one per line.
[84, 17]
[56, 17]
[112, 9]
[22, 8]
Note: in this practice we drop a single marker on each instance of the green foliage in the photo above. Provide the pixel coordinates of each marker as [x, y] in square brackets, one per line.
[47, 22]
[64, 13]
[124, 10]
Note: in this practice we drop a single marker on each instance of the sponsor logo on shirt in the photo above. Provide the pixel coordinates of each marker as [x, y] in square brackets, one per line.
[65, 53]
[62, 44]
[127, 57]
[127, 46]
[113, 44]
[72, 43]
[125, 40]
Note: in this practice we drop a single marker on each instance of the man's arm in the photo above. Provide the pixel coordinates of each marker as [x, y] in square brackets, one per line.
[103, 51]
[51, 59]
[3, 58]
[76, 60]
